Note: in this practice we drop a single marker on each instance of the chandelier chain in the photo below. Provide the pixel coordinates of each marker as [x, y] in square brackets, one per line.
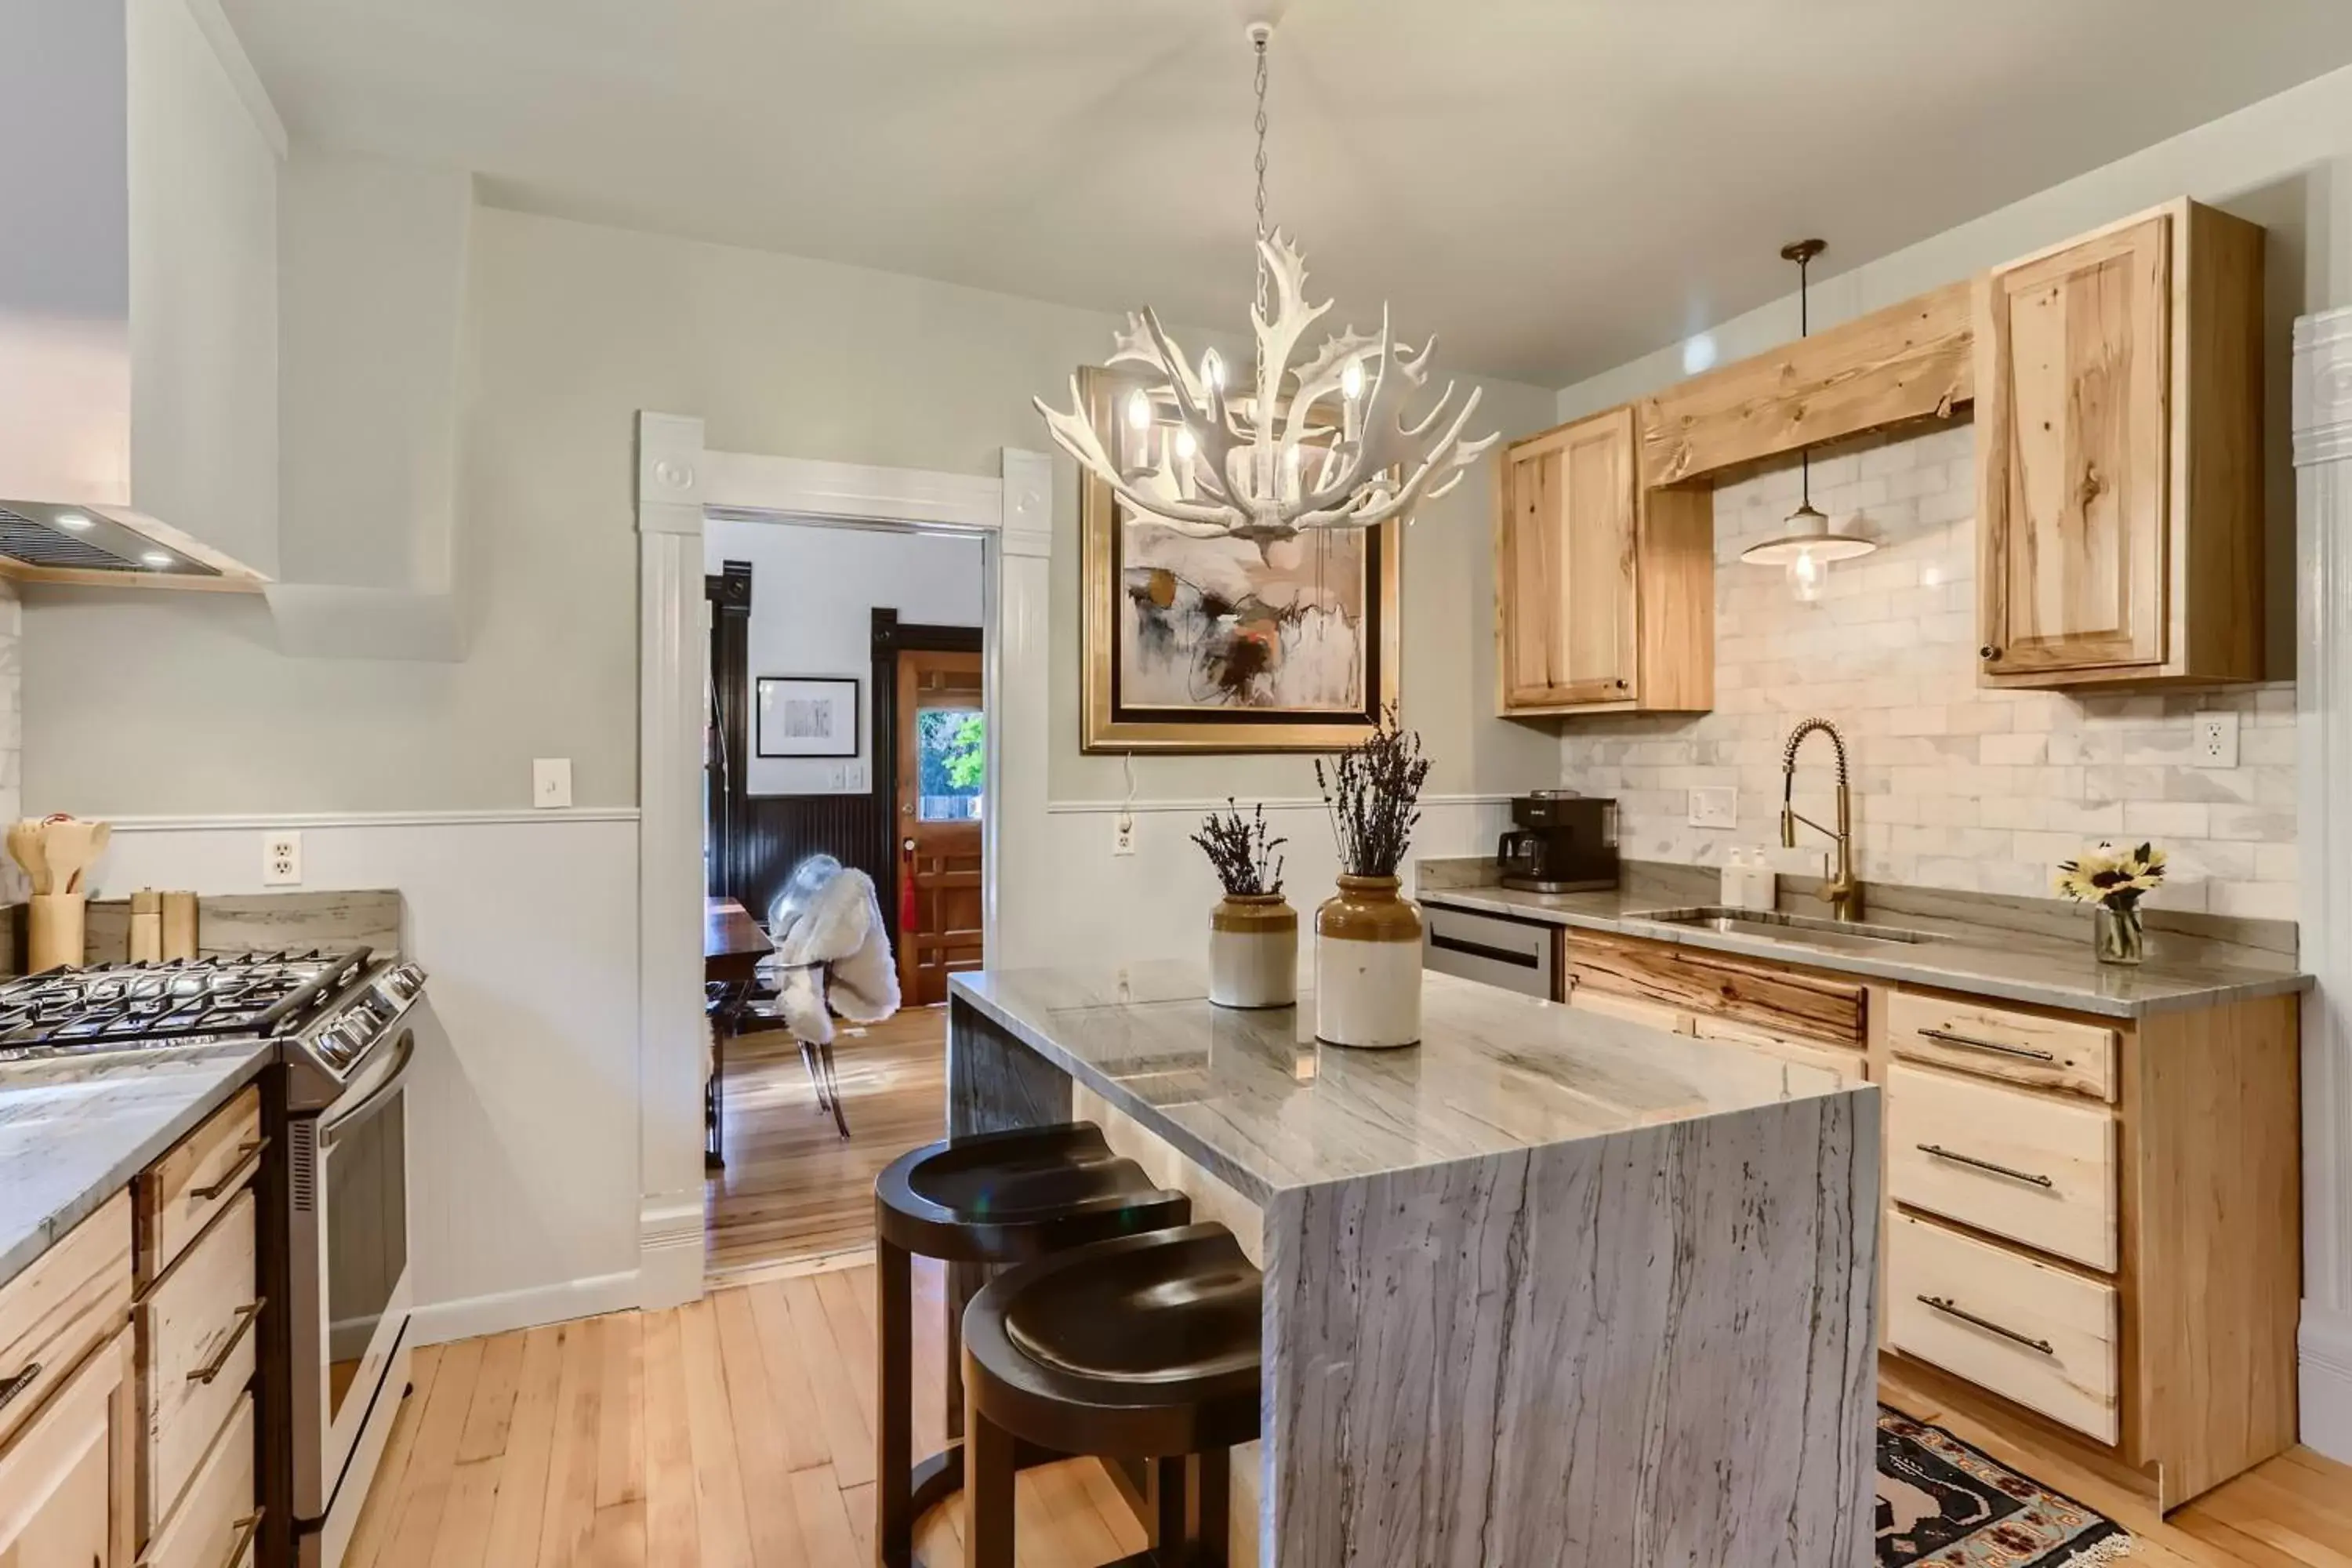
[1261, 43]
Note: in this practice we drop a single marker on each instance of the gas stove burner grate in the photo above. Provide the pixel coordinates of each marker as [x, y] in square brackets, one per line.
[259, 995]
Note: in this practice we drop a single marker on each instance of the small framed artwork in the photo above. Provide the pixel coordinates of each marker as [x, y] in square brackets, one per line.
[807, 716]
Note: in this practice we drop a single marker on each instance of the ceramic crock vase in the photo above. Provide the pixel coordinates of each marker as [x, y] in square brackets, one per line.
[2120, 936]
[1368, 966]
[1254, 952]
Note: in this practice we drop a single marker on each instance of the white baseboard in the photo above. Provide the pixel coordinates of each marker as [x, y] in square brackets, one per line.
[478, 1315]
[670, 1248]
[2324, 1347]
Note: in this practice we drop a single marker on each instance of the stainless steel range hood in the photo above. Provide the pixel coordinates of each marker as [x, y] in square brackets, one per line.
[137, 297]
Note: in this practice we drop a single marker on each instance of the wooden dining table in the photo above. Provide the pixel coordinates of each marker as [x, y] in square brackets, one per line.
[733, 944]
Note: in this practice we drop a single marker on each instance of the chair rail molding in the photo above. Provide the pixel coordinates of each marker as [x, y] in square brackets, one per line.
[680, 483]
[2323, 457]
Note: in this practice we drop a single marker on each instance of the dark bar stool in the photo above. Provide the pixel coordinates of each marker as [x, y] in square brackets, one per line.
[992, 1198]
[1143, 1347]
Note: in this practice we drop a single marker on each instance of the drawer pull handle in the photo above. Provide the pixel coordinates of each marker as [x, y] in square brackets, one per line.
[246, 1529]
[248, 1155]
[245, 1316]
[1987, 1325]
[18, 1383]
[1958, 1159]
[1969, 1042]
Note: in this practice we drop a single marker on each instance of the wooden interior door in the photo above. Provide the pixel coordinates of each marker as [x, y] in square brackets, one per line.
[1565, 567]
[938, 822]
[2074, 441]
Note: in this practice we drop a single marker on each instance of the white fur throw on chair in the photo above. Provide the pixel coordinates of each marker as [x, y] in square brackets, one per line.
[840, 926]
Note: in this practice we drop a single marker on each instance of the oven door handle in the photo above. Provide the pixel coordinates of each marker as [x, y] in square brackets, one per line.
[404, 1053]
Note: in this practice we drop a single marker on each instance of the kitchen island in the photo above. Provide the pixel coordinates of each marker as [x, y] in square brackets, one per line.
[1549, 1288]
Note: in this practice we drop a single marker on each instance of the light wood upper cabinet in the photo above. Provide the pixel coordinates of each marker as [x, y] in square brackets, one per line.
[2118, 457]
[1604, 595]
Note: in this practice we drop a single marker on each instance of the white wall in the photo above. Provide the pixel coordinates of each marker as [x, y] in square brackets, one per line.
[373, 262]
[523, 1132]
[814, 593]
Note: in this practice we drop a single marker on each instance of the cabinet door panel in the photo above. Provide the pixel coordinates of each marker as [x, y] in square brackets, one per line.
[1571, 624]
[2075, 454]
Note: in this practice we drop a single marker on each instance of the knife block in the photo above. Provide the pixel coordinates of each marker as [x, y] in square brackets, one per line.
[56, 934]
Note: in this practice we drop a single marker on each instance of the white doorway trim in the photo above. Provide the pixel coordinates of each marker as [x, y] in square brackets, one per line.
[680, 483]
[2323, 456]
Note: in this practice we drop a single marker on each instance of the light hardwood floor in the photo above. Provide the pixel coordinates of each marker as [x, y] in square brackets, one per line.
[793, 1188]
[738, 1430]
[734, 1431]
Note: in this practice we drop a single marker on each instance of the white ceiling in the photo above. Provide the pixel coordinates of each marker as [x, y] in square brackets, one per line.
[1553, 185]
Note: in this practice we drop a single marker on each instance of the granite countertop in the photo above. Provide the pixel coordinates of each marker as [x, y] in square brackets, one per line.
[1252, 1097]
[2016, 966]
[74, 1131]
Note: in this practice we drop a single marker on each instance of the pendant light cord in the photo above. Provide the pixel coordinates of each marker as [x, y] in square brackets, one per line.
[1804, 330]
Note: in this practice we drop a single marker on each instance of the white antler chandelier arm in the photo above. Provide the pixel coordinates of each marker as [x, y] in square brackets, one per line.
[1075, 434]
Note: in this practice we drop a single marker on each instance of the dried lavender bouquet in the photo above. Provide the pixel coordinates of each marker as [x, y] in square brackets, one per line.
[1372, 792]
[1242, 850]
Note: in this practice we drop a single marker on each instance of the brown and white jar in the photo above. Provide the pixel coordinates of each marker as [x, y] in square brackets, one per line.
[1254, 952]
[1368, 966]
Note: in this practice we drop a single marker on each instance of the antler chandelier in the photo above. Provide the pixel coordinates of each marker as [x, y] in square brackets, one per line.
[1284, 459]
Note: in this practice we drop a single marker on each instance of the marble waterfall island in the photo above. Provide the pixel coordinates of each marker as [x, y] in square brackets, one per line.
[1551, 1289]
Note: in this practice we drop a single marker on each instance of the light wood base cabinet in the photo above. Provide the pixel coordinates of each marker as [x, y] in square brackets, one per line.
[2119, 395]
[2093, 1226]
[65, 1479]
[1604, 592]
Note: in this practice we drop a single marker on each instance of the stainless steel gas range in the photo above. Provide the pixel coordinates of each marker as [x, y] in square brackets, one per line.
[335, 1188]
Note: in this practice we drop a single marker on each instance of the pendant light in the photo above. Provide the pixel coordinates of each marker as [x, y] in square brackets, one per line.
[1810, 544]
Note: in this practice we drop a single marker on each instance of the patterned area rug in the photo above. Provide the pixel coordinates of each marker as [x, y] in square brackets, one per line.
[1942, 1504]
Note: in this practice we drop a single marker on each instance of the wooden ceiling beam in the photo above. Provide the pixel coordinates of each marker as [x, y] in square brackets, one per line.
[1909, 362]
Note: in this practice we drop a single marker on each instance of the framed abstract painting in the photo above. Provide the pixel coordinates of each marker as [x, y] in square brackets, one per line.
[1227, 645]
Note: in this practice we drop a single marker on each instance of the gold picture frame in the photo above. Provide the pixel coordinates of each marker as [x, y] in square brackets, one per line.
[1109, 726]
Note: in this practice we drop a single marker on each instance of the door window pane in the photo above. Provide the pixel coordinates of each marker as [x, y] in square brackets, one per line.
[949, 745]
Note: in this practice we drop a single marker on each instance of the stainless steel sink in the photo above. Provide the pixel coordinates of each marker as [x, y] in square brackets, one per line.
[1772, 926]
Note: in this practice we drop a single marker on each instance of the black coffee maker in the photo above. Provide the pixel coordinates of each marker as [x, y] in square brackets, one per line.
[1564, 843]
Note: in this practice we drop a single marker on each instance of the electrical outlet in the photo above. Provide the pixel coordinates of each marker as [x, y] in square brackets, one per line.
[1122, 834]
[1715, 807]
[551, 782]
[2217, 741]
[282, 860]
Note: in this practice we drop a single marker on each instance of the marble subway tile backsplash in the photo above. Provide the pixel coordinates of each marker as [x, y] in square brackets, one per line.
[1955, 786]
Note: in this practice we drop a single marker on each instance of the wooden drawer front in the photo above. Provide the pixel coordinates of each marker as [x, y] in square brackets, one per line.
[2042, 1336]
[1849, 1067]
[197, 1340]
[57, 1480]
[218, 1515]
[2038, 1170]
[1631, 1009]
[179, 1194]
[66, 1303]
[1781, 1001]
[2048, 1053]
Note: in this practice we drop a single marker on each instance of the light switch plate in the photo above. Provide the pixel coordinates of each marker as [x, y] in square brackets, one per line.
[2217, 741]
[282, 860]
[1715, 807]
[551, 782]
[855, 775]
